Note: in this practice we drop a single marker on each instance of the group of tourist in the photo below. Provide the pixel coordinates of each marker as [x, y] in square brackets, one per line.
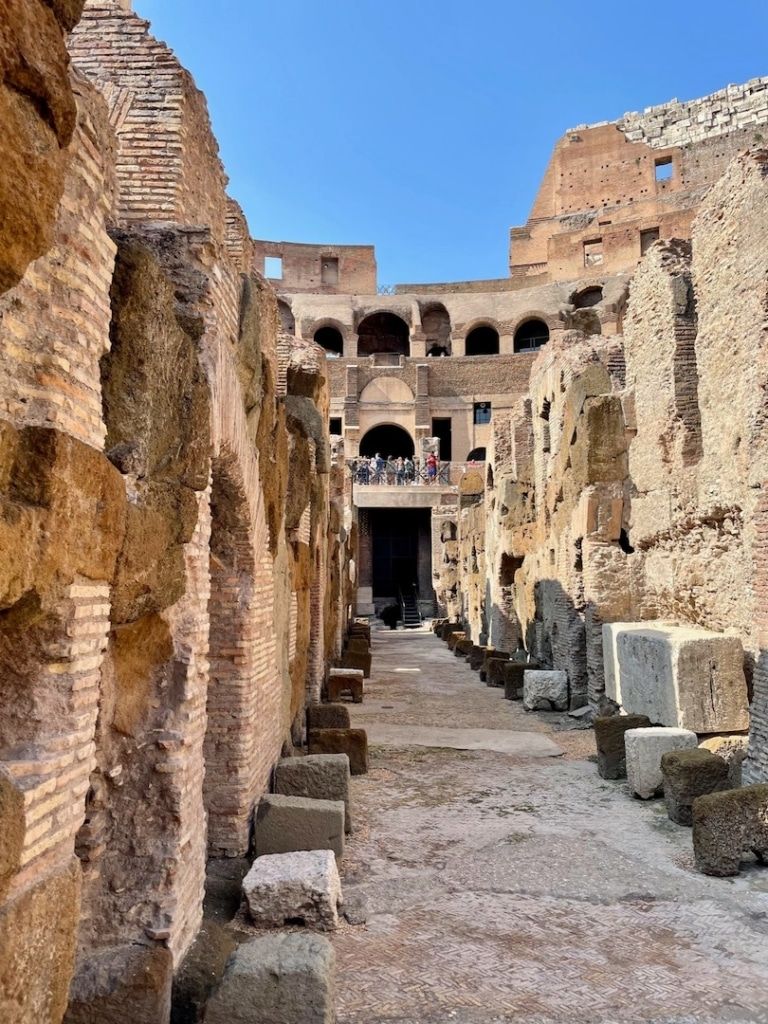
[399, 471]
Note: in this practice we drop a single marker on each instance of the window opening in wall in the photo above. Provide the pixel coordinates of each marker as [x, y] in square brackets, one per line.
[331, 340]
[383, 333]
[664, 168]
[476, 455]
[482, 413]
[593, 252]
[588, 297]
[273, 268]
[531, 335]
[441, 427]
[482, 341]
[334, 426]
[647, 238]
[329, 270]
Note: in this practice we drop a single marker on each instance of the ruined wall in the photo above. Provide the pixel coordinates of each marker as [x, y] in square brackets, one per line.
[148, 591]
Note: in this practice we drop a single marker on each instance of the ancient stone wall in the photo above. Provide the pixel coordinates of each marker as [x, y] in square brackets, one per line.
[156, 557]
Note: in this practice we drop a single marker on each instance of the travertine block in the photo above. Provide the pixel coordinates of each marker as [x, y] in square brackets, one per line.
[545, 691]
[476, 657]
[688, 774]
[644, 749]
[494, 671]
[328, 716]
[609, 739]
[462, 648]
[285, 888]
[277, 979]
[288, 823]
[681, 676]
[317, 776]
[454, 638]
[357, 659]
[352, 742]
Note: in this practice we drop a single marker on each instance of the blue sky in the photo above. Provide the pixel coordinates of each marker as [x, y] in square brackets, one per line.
[424, 126]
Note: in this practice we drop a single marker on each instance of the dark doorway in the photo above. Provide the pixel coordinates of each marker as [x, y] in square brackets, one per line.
[531, 335]
[442, 428]
[483, 341]
[387, 439]
[400, 552]
[383, 332]
[330, 339]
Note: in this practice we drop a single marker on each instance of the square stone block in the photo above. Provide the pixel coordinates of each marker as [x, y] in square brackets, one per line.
[609, 739]
[476, 657]
[545, 691]
[283, 978]
[345, 680]
[512, 676]
[727, 825]
[358, 643]
[125, 984]
[684, 677]
[611, 670]
[454, 638]
[288, 823]
[357, 659]
[688, 774]
[463, 648]
[450, 627]
[317, 776]
[352, 742]
[328, 716]
[644, 749]
[491, 653]
[494, 671]
[290, 888]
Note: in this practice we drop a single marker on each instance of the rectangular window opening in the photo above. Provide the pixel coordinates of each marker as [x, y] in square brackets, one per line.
[329, 270]
[647, 238]
[593, 252]
[664, 168]
[273, 268]
[482, 413]
[334, 426]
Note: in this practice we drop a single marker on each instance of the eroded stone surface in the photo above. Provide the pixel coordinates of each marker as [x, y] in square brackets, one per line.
[289, 888]
[318, 776]
[545, 691]
[285, 824]
[644, 749]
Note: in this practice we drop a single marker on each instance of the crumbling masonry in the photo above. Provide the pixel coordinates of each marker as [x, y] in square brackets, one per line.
[179, 535]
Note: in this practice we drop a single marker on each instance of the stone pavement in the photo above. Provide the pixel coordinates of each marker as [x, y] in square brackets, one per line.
[498, 887]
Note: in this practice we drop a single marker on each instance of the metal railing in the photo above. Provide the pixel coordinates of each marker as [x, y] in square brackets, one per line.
[387, 473]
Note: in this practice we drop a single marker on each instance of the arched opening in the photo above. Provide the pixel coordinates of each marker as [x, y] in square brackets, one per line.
[436, 325]
[482, 341]
[287, 319]
[383, 332]
[447, 531]
[531, 335]
[385, 440]
[330, 339]
[476, 455]
[587, 297]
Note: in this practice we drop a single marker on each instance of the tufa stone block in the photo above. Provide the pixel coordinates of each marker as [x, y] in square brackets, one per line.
[544, 691]
[358, 643]
[327, 716]
[490, 653]
[609, 739]
[476, 657]
[450, 627]
[454, 638]
[688, 774]
[277, 979]
[317, 776]
[728, 824]
[494, 671]
[357, 659]
[352, 742]
[289, 888]
[463, 648]
[285, 824]
[126, 984]
[644, 749]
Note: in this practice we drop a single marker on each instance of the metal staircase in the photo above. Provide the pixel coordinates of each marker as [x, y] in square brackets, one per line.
[409, 609]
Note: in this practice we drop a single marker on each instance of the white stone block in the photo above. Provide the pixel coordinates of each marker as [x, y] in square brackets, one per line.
[305, 886]
[545, 691]
[682, 676]
[644, 748]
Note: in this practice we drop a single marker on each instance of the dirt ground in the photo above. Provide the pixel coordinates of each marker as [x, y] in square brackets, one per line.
[491, 886]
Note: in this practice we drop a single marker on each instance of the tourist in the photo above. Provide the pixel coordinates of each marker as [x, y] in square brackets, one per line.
[391, 470]
[409, 469]
[431, 467]
[380, 467]
[400, 471]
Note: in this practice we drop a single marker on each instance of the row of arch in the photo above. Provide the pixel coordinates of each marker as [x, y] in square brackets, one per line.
[385, 332]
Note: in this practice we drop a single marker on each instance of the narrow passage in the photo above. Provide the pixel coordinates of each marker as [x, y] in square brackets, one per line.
[511, 883]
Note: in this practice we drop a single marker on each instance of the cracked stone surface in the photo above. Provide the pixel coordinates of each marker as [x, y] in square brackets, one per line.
[505, 888]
